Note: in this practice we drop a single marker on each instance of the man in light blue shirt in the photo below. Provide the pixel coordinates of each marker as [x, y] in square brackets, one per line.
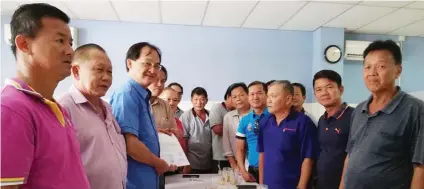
[248, 129]
[131, 108]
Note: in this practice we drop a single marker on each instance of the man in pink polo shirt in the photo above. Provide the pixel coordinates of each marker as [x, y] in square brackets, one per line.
[101, 142]
[39, 149]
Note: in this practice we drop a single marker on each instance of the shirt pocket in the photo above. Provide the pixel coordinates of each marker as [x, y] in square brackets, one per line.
[289, 140]
[388, 141]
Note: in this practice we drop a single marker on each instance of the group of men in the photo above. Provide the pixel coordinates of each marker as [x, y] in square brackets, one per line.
[81, 142]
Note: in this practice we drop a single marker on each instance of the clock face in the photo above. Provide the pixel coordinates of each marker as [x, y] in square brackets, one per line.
[332, 54]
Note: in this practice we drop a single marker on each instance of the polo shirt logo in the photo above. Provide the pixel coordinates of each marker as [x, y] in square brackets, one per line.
[288, 129]
[249, 127]
[337, 130]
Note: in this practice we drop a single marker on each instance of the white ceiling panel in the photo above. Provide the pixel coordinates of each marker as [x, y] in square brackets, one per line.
[414, 29]
[137, 11]
[416, 5]
[8, 7]
[385, 3]
[314, 15]
[59, 4]
[359, 16]
[84, 10]
[393, 21]
[337, 1]
[183, 12]
[228, 13]
[272, 14]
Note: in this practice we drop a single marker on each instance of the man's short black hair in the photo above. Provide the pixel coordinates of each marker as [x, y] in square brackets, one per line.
[163, 69]
[302, 88]
[387, 45]
[328, 74]
[269, 82]
[227, 93]
[264, 86]
[237, 85]
[178, 85]
[199, 91]
[134, 51]
[26, 20]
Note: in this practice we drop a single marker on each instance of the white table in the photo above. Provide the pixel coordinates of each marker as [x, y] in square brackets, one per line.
[204, 180]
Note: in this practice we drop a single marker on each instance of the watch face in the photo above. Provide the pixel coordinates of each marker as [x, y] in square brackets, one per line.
[333, 54]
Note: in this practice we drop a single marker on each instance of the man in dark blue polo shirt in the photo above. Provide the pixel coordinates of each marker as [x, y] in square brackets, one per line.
[287, 142]
[333, 128]
[386, 138]
[131, 108]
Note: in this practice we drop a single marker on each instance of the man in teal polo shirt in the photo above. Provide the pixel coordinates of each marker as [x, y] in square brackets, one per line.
[131, 107]
[248, 129]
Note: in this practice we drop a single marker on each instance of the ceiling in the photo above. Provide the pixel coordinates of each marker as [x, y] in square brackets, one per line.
[375, 17]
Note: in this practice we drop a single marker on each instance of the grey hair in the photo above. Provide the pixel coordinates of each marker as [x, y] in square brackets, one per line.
[287, 86]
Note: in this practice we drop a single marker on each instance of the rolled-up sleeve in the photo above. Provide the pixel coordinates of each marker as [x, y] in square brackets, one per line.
[17, 147]
[127, 112]
[226, 143]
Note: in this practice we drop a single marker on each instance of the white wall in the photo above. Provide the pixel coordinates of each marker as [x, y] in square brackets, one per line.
[315, 109]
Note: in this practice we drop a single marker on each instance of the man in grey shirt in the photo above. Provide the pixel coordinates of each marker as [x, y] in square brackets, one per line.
[197, 131]
[386, 139]
[216, 119]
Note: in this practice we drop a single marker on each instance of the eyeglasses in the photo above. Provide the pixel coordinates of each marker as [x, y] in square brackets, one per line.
[151, 65]
[256, 128]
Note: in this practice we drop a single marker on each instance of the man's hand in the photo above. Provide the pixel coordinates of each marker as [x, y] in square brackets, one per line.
[234, 166]
[178, 133]
[161, 166]
[165, 131]
[217, 129]
[172, 168]
[248, 177]
[187, 169]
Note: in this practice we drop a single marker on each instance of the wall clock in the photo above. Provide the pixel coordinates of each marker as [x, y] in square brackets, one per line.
[333, 54]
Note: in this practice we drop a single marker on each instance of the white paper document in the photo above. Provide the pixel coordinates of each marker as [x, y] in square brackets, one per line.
[171, 151]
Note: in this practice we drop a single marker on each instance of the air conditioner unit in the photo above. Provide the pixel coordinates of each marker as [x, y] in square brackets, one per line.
[355, 50]
[8, 35]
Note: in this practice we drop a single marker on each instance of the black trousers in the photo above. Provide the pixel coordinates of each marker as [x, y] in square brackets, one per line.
[255, 172]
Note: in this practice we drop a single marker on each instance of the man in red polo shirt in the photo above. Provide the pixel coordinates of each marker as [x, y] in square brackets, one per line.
[39, 149]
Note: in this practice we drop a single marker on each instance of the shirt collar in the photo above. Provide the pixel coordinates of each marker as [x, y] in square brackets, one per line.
[145, 93]
[194, 112]
[76, 95]
[391, 106]
[22, 86]
[292, 115]
[265, 112]
[339, 112]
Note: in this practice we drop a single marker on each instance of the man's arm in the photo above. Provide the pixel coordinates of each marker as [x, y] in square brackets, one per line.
[228, 152]
[216, 119]
[306, 172]
[218, 129]
[341, 185]
[17, 145]
[138, 151]
[240, 155]
[261, 168]
[418, 178]
[309, 151]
